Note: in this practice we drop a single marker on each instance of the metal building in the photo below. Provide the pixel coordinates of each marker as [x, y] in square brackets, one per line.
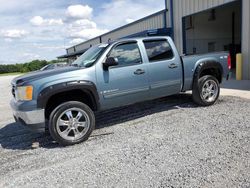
[155, 24]
[197, 26]
[202, 26]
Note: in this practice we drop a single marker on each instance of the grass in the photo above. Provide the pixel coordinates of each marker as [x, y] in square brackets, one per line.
[12, 73]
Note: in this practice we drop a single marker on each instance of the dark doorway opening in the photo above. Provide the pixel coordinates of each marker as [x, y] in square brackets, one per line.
[213, 30]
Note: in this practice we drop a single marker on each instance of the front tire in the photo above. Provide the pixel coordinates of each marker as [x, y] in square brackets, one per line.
[206, 91]
[71, 123]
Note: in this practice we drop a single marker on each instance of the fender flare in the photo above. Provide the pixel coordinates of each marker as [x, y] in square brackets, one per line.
[85, 86]
[205, 65]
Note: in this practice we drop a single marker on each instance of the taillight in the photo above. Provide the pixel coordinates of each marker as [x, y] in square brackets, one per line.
[229, 62]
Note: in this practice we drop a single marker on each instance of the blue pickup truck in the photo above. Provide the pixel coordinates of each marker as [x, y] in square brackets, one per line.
[111, 75]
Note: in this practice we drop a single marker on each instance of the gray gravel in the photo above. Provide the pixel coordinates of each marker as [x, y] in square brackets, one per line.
[168, 142]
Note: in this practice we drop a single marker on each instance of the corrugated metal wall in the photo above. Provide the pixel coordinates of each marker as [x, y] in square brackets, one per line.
[83, 45]
[87, 44]
[154, 21]
[187, 7]
[70, 50]
[246, 38]
[181, 8]
[168, 19]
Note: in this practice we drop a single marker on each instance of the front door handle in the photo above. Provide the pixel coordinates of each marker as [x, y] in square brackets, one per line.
[139, 71]
[172, 66]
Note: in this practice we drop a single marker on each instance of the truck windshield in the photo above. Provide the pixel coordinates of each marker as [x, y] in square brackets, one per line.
[88, 58]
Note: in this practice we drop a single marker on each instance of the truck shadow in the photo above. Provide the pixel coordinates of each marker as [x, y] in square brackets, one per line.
[16, 137]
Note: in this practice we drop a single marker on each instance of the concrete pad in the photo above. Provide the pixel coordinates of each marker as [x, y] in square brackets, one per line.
[236, 84]
[235, 92]
[236, 88]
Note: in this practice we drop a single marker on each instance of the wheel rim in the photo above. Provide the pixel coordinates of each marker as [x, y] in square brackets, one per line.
[73, 124]
[209, 91]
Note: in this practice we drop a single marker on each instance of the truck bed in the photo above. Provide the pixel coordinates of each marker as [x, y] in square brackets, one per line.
[190, 63]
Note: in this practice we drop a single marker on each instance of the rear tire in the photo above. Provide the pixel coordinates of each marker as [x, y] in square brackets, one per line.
[206, 90]
[71, 123]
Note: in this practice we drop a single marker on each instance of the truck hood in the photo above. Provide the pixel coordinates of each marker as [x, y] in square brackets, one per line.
[20, 80]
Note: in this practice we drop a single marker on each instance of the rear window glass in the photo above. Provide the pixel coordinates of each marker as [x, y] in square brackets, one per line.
[158, 50]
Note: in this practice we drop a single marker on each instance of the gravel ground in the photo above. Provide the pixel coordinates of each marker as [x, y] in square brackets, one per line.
[168, 142]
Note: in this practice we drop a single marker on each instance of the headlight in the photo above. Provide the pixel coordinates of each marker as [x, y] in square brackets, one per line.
[24, 93]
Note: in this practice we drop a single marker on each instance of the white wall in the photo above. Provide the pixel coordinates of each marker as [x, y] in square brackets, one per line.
[218, 31]
[187, 7]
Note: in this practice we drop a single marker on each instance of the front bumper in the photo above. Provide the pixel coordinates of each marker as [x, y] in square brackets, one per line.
[34, 119]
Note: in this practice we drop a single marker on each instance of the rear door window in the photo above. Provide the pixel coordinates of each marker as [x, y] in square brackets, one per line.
[158, 50]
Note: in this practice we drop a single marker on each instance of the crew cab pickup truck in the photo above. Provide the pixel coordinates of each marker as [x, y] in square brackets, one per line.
[111, 75]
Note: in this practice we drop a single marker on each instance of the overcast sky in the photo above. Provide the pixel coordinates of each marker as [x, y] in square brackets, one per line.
[42, 29]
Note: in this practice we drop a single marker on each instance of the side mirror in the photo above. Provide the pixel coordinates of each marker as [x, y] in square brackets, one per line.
[110, 61]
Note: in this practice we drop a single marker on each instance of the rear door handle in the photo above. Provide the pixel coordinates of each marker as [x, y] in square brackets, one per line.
[172, 66]
[139, 71]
